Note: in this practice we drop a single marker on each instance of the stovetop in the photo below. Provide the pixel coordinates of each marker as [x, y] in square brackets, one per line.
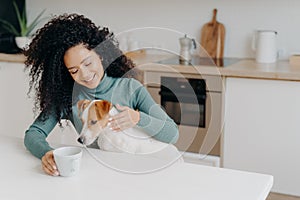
[202, 61]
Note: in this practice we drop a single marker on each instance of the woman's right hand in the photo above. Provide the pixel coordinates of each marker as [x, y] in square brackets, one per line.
[48, 164]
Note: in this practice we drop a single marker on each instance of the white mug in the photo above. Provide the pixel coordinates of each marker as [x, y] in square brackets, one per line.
[68, 160]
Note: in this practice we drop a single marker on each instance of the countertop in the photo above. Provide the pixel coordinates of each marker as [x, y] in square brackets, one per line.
[281, 70]
[245, 68]
[22, 178]
[19, 58]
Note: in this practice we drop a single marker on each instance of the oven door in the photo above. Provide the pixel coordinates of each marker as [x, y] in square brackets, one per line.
[185, 109]
[184, 100]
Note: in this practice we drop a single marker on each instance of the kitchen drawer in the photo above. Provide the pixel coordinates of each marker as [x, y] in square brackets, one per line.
[195, 158]
[213, 83]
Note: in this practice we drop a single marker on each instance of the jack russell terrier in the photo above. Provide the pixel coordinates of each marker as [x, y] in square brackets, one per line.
[95, 117]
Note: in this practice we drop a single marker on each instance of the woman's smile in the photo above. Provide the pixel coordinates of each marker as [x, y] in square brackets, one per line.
[90, 79]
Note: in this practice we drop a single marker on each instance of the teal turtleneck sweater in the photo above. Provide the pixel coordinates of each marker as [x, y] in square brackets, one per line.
[123, 91]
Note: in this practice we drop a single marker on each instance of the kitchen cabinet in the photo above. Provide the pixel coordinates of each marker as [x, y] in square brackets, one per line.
[17, 108]
[201, 145]
[262, 130]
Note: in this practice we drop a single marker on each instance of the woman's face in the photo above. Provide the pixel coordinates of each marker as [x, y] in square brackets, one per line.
[84, 66]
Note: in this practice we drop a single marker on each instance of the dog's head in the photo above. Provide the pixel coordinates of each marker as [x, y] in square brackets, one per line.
[94, 116]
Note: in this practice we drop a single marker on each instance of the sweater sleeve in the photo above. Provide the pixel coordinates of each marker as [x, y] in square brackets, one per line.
[153, 119]
[35, 136]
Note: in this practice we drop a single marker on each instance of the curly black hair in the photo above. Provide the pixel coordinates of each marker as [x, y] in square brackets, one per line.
[49, 76]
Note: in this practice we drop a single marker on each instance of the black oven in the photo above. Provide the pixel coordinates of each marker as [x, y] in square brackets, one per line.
[184, 100]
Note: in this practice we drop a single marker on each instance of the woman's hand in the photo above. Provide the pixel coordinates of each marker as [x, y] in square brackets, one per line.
[127, 118]
[48, 164]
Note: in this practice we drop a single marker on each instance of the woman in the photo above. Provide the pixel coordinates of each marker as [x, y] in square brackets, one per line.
[70, 58]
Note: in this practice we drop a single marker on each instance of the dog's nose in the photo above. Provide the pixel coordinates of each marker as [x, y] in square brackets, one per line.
[80, 140]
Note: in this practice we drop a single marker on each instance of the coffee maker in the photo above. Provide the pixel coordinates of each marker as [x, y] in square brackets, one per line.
[186, 45]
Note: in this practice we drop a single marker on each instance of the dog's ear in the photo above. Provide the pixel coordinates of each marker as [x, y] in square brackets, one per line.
[82, 104]
[102, 108]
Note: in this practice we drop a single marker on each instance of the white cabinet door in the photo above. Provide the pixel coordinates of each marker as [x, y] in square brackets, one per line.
[262, 130]
[15, 107]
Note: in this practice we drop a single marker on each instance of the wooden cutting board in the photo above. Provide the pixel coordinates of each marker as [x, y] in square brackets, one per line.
[213, 36]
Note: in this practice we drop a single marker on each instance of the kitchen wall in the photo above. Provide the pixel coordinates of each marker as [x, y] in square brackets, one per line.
[177, 17]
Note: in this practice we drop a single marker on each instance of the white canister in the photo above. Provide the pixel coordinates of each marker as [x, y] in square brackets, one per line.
[264, 44]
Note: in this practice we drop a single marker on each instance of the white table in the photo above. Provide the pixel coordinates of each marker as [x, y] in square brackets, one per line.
[21, 177]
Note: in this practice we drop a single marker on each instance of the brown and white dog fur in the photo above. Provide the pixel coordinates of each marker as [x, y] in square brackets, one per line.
[95, 116]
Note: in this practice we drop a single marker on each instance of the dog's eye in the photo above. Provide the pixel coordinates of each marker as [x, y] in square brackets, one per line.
[94, 122]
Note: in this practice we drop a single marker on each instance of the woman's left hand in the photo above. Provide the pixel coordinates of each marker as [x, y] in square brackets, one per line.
[127, 118]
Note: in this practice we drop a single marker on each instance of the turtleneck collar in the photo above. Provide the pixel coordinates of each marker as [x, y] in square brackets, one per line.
[103, 86]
